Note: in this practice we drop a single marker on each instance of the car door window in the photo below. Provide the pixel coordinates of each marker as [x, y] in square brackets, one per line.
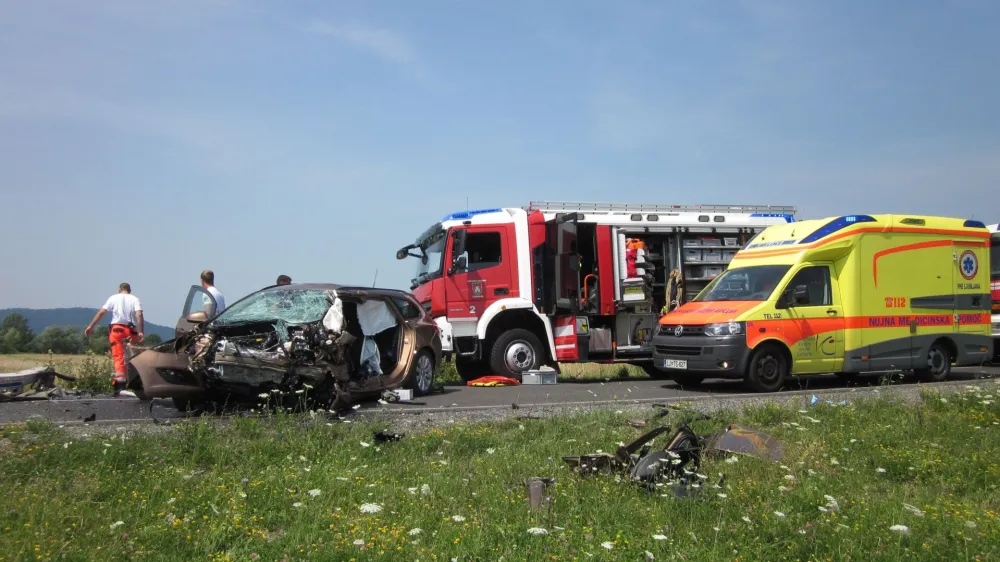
[408, 309]
[199, 300]
[816, 279]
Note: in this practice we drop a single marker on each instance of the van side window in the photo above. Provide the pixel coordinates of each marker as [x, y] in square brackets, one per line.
[483, 250]
[817, 279]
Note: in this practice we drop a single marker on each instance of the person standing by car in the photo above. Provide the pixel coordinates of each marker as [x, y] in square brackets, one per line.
[126, 323]
[208, 282]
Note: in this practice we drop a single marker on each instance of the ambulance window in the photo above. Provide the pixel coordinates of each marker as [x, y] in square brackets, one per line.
[817, 280]
[483, 250]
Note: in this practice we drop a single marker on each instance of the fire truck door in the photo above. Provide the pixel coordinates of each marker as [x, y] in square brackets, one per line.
[562, 240]
[479, 273]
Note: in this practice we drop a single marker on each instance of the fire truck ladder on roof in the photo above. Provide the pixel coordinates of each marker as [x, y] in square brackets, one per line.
[612, 208]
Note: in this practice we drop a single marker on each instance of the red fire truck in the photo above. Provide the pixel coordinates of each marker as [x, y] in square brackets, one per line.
[513, 289]
[995, 286]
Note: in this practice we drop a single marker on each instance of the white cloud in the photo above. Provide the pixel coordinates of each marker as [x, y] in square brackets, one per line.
[379, 41]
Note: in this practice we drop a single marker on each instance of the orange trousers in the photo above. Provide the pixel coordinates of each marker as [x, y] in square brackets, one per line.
[117, 336]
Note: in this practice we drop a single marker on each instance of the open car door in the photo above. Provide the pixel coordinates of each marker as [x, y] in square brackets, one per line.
[199, 306]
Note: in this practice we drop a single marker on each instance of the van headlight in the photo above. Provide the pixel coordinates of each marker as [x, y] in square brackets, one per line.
[727, 329]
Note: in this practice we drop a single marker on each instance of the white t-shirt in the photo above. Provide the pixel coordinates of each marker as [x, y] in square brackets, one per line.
[220, 301]
[123, 307]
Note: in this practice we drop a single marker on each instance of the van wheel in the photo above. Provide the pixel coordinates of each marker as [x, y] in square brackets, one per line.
[515, 352]
[938, 364]
[768, 369]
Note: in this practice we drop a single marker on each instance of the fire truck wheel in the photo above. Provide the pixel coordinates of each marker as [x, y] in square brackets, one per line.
[514, 352]
[768, 369]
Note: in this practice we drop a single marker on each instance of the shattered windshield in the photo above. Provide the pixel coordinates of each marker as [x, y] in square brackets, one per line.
[433, 248]
[291, 306]
[754, 283]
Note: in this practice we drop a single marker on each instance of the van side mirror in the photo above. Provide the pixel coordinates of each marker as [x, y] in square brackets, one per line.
[801, 294]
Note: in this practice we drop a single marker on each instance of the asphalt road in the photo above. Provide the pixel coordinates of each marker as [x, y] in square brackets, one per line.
[459, 398]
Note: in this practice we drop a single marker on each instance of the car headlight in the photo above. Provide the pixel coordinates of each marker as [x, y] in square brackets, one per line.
[727, 329]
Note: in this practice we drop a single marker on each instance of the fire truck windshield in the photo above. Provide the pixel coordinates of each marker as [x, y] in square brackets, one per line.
[753, 283]
[430, 266]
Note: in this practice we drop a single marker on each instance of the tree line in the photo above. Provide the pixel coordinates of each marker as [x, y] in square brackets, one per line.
[16, 336]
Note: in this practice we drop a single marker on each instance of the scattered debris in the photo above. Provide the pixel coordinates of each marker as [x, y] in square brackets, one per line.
[740, 440]
[536, 490]
[382, 437]
[38, 383]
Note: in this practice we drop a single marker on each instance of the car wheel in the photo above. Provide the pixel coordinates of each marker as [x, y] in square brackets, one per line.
[515, 352]
[938, 364]
[768, 369]
[422, 377]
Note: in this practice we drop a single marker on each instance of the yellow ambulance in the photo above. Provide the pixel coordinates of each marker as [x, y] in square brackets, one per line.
[844, 295]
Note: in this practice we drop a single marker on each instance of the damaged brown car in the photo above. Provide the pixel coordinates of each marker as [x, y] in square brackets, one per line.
[332, 343]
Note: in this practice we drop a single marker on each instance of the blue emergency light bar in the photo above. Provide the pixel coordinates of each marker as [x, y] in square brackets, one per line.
[465, 215]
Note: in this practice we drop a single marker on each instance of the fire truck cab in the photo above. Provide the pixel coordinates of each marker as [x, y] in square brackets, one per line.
[513, 289]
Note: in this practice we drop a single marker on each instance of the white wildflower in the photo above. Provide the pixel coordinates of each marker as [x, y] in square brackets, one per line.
[314, 492]
[415, 531]
[779, 514]
[359, 542]
[537, 531]
[747, 519]
[723, 496]
[412, 491]
[297, 504]
[425, 489]
[900, 529]
[607, 545]
[263, 395]
[971, 524]
[117, 524]
[733, 460]
[457, 518]
[831, 503]
[880, 470]
[490, 451]
[659, 537]
[363, 444]
[789, 477]
[370, 508]
[649, 556]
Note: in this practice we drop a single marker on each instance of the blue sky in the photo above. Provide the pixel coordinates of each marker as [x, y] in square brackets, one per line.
[148, 140]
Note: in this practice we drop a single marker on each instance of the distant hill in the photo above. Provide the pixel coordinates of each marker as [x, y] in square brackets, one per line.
[39, 319]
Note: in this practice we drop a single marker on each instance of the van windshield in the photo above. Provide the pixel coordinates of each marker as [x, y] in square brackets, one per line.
[753, 283]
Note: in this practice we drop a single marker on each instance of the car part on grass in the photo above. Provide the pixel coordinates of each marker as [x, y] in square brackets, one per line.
[38, 383]
[740, 440]
[536, 490]
[383, 437]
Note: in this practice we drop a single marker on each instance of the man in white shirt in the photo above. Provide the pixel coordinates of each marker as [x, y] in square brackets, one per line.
[126, 323]
[208, 282]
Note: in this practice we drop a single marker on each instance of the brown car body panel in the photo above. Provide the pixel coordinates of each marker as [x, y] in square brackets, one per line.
[164, 371]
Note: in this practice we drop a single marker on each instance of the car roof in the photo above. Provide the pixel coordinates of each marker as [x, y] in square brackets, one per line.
[380, 291]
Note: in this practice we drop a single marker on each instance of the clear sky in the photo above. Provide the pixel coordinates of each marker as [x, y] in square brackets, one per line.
[146, 140]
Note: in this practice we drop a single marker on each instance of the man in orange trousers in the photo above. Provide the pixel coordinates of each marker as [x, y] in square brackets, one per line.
[126, 324]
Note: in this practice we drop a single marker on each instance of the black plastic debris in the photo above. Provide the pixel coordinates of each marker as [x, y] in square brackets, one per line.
[739, 440]
[382, 437]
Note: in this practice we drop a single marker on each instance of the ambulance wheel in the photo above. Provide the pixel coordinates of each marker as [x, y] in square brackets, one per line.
[515, 352]
[768, 369]
[938, 364]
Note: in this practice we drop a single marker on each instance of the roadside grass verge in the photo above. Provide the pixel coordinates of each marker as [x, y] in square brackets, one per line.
[877, 479]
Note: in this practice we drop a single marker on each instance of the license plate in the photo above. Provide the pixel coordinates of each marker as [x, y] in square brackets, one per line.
[675, 364]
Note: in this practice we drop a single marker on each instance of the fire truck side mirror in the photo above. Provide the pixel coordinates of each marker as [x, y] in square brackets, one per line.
[458, 248]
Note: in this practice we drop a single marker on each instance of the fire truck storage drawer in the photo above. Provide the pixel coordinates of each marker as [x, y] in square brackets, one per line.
[730, 241]
[712, 255]
[691, 254]
[600, 339]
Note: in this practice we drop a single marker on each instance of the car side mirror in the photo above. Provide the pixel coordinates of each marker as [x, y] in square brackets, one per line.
[801, 294]
[197, 317]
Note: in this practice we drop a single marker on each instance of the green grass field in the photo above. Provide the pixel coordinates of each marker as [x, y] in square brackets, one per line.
[877, 479]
